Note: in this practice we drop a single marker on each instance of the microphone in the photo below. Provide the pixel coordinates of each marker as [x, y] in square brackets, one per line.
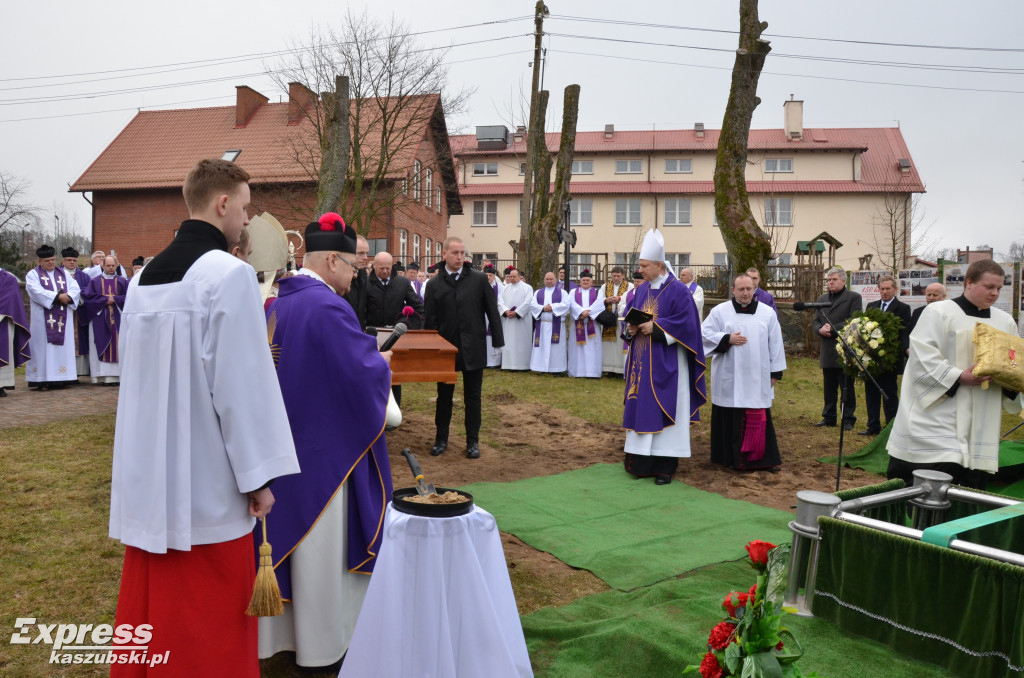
[371, 330]
[400, 329]
[805, 305]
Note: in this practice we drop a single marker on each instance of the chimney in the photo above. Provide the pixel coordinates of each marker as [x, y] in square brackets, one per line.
[698, 129]
[609, 132]
[904, 164]
[793, 112]
[247, 102]
[519, 135]
[300, 99]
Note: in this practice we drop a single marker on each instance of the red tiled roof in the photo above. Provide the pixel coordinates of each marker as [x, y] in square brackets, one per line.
[157, 148]
[881, 148]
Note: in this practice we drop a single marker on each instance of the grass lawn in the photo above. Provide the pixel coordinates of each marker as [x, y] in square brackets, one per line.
[59, 566]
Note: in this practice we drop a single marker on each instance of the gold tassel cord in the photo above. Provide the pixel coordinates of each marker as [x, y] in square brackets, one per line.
[266, 594]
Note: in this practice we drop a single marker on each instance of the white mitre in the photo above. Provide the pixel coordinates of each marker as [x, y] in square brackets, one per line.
[653, 248]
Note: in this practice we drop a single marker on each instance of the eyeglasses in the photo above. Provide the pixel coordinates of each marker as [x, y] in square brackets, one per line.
[350, 263]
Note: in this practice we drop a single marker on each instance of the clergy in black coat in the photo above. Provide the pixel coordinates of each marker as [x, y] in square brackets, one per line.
[842, 304]
[457, 301]
[873, 400]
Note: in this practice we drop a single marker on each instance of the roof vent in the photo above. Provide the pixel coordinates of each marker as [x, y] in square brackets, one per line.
[904, 164]
[698, 129]
[492, 138]
[609, 132]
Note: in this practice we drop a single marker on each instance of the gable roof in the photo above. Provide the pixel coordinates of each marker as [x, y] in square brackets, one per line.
[158, 148]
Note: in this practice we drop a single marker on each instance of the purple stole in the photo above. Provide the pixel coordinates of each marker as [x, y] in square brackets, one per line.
[55, 319]
[691, 287]
[12, 306]
[418, 286]
[585, 327]
[652, 367]
[106, 320]
[81, 319]
[556, 327]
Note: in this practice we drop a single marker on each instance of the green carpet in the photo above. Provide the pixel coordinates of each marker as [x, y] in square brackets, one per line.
[627, 531]
[655, 632]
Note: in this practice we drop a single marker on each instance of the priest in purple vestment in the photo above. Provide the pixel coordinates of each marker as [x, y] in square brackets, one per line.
[69, 258]
[102, 301]
[762, 296]
[326, 527]
[14, 333]
[664, 369]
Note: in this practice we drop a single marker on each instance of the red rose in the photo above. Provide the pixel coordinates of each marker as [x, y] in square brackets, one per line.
[735, 600]
[752, 591]
[779, 646]
[709, 667]
[721, 635]
[758, 551]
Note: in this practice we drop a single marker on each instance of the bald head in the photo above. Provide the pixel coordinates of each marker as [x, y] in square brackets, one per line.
[686, 276]
[382, 265]
[934, 292]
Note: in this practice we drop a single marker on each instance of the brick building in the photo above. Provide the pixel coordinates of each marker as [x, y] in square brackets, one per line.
[136, 181]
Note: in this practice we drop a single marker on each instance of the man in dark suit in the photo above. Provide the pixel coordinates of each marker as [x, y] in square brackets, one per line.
[458, 299]
[357, 293]
[842, 304]
[886, 380]
[387, 295]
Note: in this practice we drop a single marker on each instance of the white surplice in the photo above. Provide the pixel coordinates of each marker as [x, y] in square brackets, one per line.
[493, 354]
[931, 426]
[200, 417]
[613, 354]
[7, 371]
[741, 376]
[585, 359]
[518, 331]
[548, 357]
[49, 362]
[698, 298]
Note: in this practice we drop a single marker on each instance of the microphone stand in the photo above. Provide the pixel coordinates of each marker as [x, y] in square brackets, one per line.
[843, 390]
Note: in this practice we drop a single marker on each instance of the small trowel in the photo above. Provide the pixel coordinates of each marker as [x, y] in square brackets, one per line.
[423, 488]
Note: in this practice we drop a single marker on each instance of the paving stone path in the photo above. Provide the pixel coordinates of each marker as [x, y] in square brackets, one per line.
[23, 407]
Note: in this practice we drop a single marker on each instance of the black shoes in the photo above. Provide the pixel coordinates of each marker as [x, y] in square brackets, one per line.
[868, 432]
[439, 447]
[663, 479]
[825, 422]
[847, 425]
[472, 451]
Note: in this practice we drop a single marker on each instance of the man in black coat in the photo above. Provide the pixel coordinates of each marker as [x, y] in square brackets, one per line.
[886, 380]
[357, 293]
[387, 295]
[457, 301]
[842, 304]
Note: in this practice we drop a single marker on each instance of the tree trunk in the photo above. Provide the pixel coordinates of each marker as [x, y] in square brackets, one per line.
[747, 244]
[535, 189]
[334, 150]
[548, 228]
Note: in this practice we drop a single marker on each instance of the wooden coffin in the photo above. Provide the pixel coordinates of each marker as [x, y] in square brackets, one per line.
[421, 355]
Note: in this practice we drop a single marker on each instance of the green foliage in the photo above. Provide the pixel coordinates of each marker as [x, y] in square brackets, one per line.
[874, 336]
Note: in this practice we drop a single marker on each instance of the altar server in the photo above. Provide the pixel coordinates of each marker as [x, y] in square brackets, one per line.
[946, 421]
[54, 295]
[201, 432]
[516, 321]
[664, 369]
[103, 302]
[326, 526]
[493, 354]
[585, 304]
[549, 306]
[745, 340]
[14, 336]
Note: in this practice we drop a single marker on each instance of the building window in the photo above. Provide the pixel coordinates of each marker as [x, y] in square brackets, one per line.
[485, 169]
[679, 260]
[405, 185]
[582, 166]
[628, 261]
[415, 246]
[478, 258]
[779, 268]
[437, 250]
[415, 179]
[485, 212]
[430, 187]
[678, 166]
[377, 245]
[721, 258]
[677, 212]
[627, 212]
[438, 199]
[778, 212]
[522, 169]
[714, 218]
[628, 166]
[427, 261]
[778, 165]
[581, 212]
[403, 244]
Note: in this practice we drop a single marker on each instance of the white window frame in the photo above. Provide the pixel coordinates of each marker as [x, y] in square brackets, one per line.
[778, 211]
[430, 187]
[415, 246]
[625, 208]
[522, 169]
[628, 261]
[679, 260]
[629, 166]
[427, 249]
[438, 248]
[485, 213]
[721, 258]
[678, 212]
[403, 243]
[582, 166]
[581, 212]
[438, 199]
[416, 173]
[778, 165]
[485, 169]
[678, 166]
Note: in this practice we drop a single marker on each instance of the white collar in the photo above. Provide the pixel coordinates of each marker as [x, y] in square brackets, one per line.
[451, 272]
[109, 277]
[315, 276]
[659, 281]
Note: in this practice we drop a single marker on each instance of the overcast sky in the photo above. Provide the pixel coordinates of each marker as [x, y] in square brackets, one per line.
[86, 68]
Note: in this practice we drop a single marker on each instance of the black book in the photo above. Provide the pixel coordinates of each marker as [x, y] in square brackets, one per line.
[637, 317]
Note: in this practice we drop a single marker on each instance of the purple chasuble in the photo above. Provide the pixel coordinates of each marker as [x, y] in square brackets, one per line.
[338, 432]
[622, 325]
[82, 320]
[106, 320]
[652, 368]
[12, 306]
[556, 334]
[585, 326]
[56, 317]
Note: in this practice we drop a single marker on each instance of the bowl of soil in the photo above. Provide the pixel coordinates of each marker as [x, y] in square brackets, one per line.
[447, 503]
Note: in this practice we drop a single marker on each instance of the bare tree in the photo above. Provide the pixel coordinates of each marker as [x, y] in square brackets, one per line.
[15, 208]
[394, 91]
[898, 227]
